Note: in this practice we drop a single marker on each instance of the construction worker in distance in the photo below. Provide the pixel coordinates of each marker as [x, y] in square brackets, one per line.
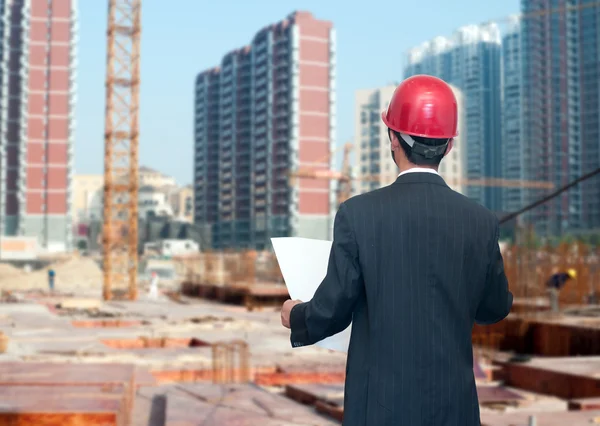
[412, 266]
[51, 278]
[555, 283]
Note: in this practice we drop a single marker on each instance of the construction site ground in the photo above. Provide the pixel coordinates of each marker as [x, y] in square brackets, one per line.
[70, 358]
[152, 362]
[170, 345]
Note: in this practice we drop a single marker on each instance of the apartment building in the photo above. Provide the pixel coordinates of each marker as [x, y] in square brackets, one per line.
[513, 154]
[471, 61]
[561, 110]
[374, 164]
[88, 191]
[182, 202]
[37, 89]
[372, 145]
[268, 109]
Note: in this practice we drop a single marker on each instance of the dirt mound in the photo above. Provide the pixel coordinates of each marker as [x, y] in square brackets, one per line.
[8, 270]
[70, 274]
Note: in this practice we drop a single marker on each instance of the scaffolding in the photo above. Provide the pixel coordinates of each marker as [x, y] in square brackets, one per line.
[230, 362]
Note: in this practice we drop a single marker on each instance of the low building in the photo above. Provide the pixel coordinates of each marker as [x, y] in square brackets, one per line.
[153, 201]
[152, 177]
[19, 248]
[170, 248]
[158, 194]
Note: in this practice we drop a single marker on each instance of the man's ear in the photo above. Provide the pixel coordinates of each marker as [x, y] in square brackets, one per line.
[449, 147]
[395, 143]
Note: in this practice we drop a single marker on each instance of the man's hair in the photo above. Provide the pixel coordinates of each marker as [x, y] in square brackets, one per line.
[419, 159]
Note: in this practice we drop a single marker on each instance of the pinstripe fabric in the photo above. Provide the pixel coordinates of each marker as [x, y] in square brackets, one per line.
[413, 265]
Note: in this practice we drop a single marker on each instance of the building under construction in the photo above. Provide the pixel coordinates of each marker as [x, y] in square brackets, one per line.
[267, 110]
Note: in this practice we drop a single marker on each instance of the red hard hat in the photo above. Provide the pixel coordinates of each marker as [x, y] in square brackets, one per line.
[423, 106]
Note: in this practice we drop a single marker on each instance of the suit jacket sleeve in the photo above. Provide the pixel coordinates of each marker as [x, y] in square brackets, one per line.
[497, 300]
[330, 310]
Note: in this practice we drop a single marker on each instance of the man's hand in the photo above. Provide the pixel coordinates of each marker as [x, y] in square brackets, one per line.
[286, 309]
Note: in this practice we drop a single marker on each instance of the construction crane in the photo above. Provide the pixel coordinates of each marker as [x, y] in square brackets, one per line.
[120, 233]
[344, 177]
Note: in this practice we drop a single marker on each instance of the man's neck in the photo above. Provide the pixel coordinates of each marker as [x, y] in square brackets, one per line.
[408, 167]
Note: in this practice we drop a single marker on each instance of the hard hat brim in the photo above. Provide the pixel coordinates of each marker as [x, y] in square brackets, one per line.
[419, 135]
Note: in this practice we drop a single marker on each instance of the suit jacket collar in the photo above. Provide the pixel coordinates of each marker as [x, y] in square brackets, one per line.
[421, 177]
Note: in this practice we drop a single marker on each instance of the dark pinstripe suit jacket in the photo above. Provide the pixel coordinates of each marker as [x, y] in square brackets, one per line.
[413, 266]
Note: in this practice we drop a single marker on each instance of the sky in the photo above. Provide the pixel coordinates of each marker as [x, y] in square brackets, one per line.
[189, 36]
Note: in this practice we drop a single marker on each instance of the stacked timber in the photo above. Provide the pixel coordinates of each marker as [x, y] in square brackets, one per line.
[64, 394]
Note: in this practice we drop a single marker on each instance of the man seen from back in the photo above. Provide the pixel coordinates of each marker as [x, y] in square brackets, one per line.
[413, 266]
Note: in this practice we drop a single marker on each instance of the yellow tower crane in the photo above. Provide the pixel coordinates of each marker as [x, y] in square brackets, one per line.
[120, 233]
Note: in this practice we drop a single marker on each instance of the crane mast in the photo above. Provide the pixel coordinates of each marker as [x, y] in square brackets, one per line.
[120, 214]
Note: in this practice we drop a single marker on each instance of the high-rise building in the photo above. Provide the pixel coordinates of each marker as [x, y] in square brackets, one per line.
[372, 145]
[512, 77]
[471, 61]
[453, 166]
[182, 202]
[266, 111]
[37, 92]
[561, 110]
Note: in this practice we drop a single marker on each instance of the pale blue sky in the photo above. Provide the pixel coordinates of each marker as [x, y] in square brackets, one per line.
[182, 37]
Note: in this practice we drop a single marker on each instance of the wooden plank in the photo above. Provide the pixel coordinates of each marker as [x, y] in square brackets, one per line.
[112, 323]
[63, 405]
[566, 418]
[583, 404]
[80, 304]
[332, 410]
[478, 370]
[63, 419]
[234, 405]
[143, 377]
[63, 374]
[310, 393]
[496, 394]
[282, 379]
[564, 383]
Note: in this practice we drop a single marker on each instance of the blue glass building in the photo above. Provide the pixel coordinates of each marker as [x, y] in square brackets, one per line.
[561, 109]
[471, 61]
[512, 147]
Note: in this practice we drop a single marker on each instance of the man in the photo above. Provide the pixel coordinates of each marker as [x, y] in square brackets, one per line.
[559, 279]
[413, 265]
[555, 283]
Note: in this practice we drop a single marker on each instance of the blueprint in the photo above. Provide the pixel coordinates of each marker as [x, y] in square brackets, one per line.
[303, 263]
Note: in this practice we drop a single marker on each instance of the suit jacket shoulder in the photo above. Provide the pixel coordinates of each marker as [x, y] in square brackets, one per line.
[360, 206]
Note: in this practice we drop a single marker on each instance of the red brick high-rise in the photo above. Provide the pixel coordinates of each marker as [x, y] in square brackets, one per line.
[268, 110]
[37, 93]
